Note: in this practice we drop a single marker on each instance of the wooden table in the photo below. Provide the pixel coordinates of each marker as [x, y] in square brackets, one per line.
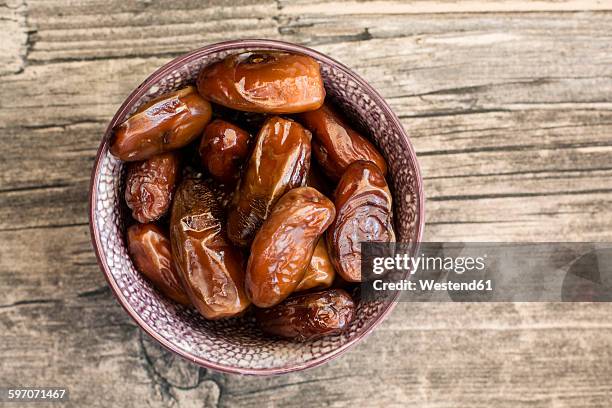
[509, 106]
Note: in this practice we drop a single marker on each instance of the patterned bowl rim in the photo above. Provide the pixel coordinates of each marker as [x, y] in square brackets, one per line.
[140, 91]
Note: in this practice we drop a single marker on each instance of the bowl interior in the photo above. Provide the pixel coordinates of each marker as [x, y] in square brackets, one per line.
[236, 345]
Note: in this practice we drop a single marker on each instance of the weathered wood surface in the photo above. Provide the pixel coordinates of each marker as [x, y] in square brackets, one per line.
[509, 106]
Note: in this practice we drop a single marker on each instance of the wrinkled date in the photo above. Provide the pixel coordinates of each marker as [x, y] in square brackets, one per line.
[284, 244]
[335, 145]
[209, 266]
[150, 251]
[223, 148]
[363, 214]
[264, 81]
[166, 123]
[319, 272]
[280, 161]
[149, 186]
[309, 316]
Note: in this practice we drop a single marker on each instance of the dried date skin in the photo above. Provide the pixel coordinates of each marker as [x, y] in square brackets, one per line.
[164, 124]
[336, 145]
[279, 162]
[210, 267]
[320, 271]
[364, 213]
[223, 149]
[284, 245]
[308, 316]
[149, 186]
[264, 82]
[150, 251]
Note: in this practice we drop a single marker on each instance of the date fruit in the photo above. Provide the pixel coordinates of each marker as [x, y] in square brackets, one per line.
[165, 123]
[284, 245]
[319, 272]
[280, 161]
[335, 145]
[364, 213]
[150, 251]
[223, 148]
[149, 186]
[211, 269]
[265, 82]
[308, 316]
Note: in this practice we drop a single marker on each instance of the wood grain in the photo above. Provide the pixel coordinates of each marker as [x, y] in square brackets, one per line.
[508, 104]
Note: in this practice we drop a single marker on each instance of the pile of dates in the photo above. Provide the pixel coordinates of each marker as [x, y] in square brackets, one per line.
[250, 189]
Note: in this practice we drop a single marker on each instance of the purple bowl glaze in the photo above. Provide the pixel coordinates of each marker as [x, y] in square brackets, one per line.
[236, 345]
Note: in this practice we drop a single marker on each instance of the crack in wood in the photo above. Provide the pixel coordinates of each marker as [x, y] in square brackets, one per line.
[31, 302]
[519, 148]
[64, 125]
[292, 384]
[169, 55]
[104, 290]
[462, 90]
[34, 188]
[165, 385]
[34, 227]
[445, 113]
[160, 383]
[473, 222]
[468, 197]
[520, 173]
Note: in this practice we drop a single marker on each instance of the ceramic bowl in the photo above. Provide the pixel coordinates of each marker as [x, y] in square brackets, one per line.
[236, 345]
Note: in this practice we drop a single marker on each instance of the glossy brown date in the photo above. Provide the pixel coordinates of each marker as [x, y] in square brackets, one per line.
[283, 246]
[319, 272]
[149, 186]
[280, 161]
[209, 266]
[264, 81]
[165, 123]
[335, 145]
[223, 148]
[150, 251]
[309, 316]
[363, 214]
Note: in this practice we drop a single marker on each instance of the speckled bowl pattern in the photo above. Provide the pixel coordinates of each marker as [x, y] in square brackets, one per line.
[237, 345]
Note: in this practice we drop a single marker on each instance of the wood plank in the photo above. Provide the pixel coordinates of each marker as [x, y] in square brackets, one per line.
[391, 7]
[543, 353]
[507, 103]
[499, 129]
[94, 30]
[410, 70]
[540, 368]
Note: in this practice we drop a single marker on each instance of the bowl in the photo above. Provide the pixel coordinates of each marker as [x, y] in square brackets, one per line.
[236, 345]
